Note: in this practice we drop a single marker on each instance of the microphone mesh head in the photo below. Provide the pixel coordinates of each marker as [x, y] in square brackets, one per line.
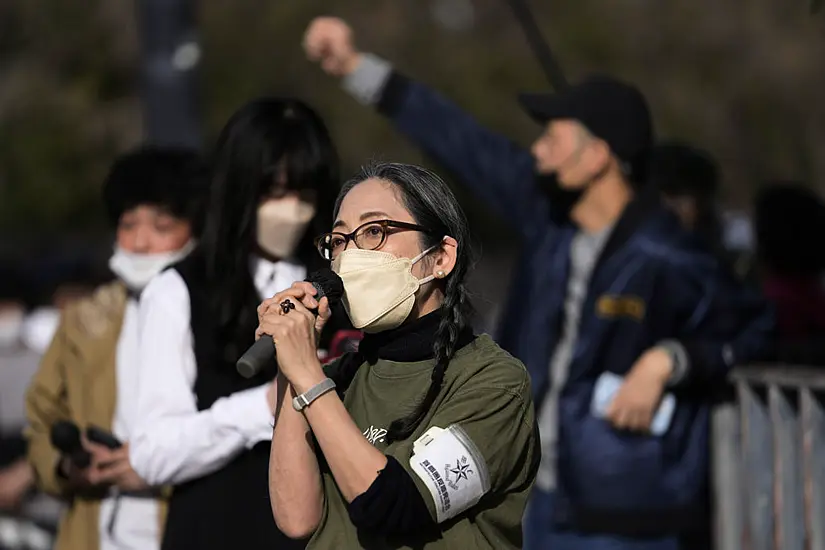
[329, 284]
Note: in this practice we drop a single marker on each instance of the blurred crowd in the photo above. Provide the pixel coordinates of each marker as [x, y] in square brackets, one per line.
[146, 354]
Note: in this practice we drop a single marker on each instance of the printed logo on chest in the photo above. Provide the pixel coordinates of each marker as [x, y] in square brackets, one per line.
[374, 434]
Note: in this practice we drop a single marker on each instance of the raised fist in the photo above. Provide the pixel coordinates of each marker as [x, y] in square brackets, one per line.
[328, 40]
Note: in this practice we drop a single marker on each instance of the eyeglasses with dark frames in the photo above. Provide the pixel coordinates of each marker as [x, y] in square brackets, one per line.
[368, 236]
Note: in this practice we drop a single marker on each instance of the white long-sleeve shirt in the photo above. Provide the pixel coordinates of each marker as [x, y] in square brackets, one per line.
[134, 521]
[173, 442]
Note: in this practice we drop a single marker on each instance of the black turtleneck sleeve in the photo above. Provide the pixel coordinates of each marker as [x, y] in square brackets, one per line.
[392, 505]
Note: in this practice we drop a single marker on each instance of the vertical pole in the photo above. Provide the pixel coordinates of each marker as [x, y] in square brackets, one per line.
[726, 450]
[789, 501]
[540, 47]
[812, 407]
[170, 56]
[757, 468]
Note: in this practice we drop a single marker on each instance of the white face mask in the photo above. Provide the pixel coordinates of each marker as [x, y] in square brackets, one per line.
[11, 322]
[379, 288]
[281, 224]
[136, 270]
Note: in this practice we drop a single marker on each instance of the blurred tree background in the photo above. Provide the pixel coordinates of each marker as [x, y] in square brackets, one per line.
[741, 79]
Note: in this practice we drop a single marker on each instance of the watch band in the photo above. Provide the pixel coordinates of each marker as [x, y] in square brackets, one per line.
[678, 357]
[300, 402]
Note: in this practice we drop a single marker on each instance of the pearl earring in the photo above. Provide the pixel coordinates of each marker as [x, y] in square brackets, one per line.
[440, 274]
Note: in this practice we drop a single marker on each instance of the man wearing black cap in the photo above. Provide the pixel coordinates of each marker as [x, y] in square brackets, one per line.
[611, 309]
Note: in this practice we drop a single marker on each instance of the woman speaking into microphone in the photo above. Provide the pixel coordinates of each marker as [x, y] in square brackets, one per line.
[425, 437]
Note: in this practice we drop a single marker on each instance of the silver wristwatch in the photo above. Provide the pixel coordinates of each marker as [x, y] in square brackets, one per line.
[300, 402]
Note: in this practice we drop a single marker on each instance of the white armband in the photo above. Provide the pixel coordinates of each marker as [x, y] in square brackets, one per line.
[452, 468]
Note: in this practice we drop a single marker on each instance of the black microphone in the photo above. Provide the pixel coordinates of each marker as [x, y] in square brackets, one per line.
[65, 437]
[326, 283]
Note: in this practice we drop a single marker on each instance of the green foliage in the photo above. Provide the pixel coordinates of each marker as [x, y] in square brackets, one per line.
[742, 80]
[64, 111]
[57, 192]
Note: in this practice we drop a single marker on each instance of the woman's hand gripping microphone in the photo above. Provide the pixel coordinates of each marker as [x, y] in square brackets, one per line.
[295, 330]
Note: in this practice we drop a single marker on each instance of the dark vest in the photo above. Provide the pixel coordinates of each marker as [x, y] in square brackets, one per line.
[228, 509]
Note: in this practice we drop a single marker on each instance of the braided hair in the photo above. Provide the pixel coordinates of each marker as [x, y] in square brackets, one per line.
[432, 205]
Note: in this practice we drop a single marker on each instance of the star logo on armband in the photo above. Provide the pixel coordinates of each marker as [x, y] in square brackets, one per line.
[462, 469]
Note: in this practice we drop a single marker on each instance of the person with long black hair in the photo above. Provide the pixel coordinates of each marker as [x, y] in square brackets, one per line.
[430, 440]
[205, 429]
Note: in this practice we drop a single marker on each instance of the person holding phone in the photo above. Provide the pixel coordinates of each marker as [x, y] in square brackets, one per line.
[153, 197]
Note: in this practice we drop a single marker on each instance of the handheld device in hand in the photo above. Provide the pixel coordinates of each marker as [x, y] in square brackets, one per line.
[608, 385]
[65, 437]
[100, 436]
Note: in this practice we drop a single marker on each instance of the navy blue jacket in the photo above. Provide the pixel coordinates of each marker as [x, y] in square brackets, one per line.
[651, 283]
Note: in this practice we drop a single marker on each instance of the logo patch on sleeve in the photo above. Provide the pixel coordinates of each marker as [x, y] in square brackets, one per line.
[615, 306]
[452, 468]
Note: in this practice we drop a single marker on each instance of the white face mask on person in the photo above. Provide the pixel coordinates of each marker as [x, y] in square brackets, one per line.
[281, 224]
[379, 288]
[11, 323]
[136, 270]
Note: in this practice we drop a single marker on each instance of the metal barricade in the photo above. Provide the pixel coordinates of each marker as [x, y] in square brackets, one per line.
[769, 461]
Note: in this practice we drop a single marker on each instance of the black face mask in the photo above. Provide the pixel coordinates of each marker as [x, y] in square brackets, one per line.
[561, 200]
